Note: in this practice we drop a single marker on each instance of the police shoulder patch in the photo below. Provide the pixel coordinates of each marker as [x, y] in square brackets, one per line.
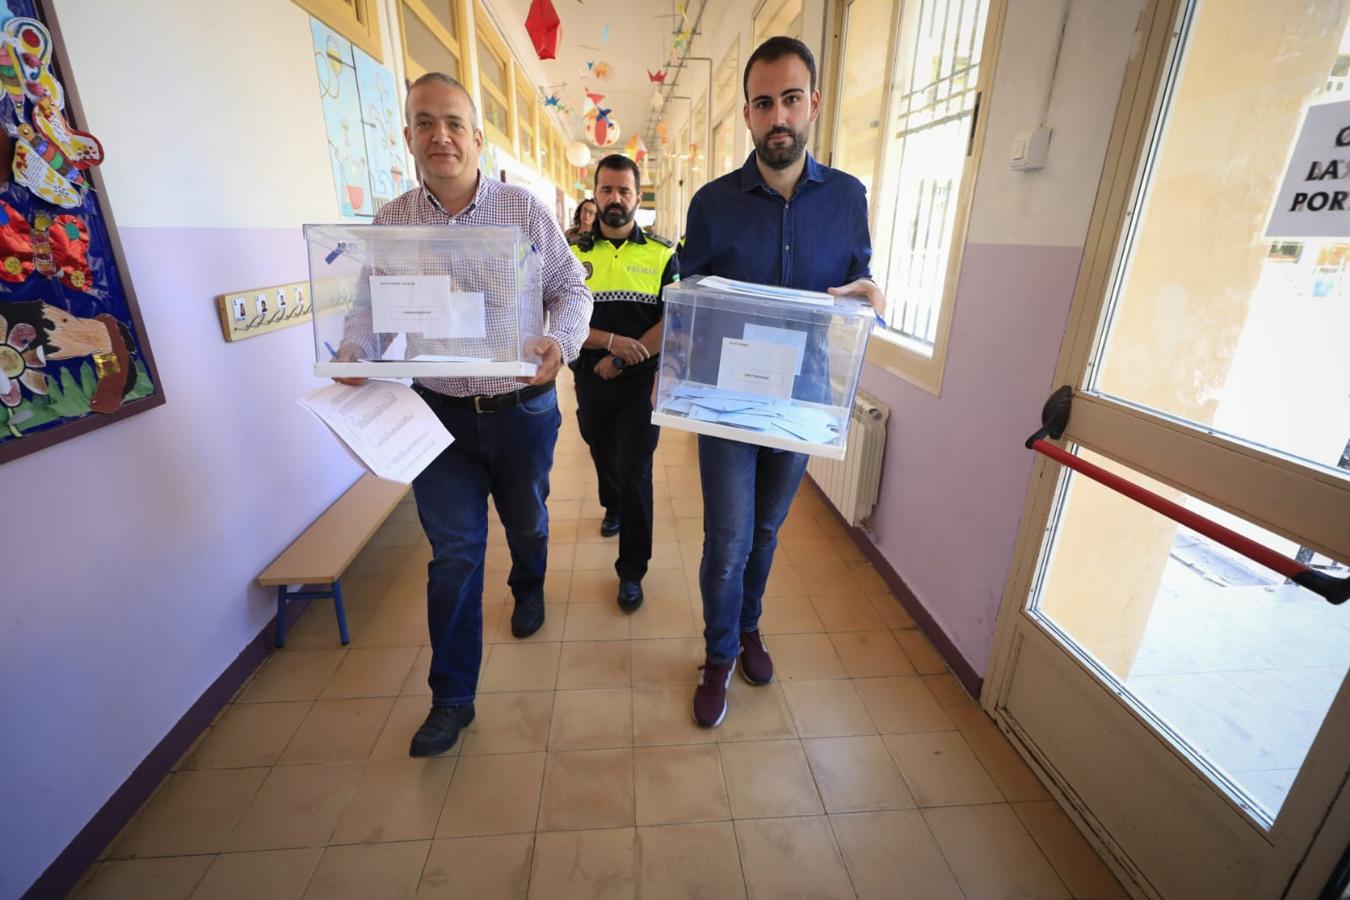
[590, 269]
[664, 242]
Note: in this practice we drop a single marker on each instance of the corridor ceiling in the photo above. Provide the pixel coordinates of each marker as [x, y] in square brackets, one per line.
[630, 37]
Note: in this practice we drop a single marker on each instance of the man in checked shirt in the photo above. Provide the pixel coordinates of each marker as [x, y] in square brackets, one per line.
[504, 434]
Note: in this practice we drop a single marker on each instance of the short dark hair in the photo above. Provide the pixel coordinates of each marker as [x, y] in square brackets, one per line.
[619, 163]
[774, 49]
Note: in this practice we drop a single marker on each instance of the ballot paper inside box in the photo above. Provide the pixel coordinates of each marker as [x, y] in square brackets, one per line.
[761, 365]
[423, 301]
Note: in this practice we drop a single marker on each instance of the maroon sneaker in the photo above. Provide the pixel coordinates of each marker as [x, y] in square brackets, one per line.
[756, 666]
[710, 697]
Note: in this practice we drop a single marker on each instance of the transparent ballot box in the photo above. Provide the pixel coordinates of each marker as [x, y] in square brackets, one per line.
[414, 301]
[762, 365]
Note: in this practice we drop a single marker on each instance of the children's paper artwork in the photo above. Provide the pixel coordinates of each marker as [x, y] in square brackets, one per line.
[50, 157]
[336, 65]
[364, 125]
[382, 121]
[73, 349]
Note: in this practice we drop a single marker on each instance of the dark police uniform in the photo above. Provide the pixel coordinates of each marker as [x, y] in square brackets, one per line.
[626, 278]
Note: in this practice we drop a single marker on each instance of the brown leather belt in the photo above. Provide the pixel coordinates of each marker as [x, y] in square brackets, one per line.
[480, 403]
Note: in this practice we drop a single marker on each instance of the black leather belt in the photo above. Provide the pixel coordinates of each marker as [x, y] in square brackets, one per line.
[480, 403]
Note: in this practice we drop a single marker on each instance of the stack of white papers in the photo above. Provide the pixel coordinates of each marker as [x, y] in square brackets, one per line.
[754, 412]
[386, 426]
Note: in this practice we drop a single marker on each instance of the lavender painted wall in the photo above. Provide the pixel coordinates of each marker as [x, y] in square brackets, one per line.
[956, 473]
[129, 565]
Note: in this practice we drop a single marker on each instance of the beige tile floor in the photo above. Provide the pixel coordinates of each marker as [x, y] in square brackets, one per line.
[864, 770]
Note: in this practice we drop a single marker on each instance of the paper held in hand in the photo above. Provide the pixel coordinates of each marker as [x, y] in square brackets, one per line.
[384, 424]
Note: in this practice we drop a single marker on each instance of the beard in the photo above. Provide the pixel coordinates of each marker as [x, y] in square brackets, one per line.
[615, 216]
[780, 157]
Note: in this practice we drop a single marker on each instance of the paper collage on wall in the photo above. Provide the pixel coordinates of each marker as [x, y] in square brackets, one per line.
[73, 352]
[364, 125]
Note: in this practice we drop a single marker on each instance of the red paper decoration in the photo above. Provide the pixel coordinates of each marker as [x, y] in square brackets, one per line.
[544, 27]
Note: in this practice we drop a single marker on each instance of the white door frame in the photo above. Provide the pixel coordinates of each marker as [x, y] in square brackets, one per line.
[1053, 704]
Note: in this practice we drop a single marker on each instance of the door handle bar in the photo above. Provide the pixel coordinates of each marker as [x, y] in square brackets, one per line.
[1055, 419]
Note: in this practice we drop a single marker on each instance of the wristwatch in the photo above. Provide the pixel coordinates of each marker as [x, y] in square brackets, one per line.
[619, 363]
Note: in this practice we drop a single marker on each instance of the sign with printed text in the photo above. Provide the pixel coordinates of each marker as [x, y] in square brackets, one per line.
[757, 367]
[1314, 197]
[425, 305]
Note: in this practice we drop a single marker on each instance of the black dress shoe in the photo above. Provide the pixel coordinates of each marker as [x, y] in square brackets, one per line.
[441, 729]
[610, 526]
[527, 617]
[630, 595]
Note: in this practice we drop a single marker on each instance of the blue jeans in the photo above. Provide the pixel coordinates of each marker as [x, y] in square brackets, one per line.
[746, 494]
[505, 454]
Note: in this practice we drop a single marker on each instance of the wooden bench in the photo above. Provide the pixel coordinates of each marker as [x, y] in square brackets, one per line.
[323, 551]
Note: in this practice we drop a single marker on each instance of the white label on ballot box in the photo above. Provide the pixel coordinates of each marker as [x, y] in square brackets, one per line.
[425, 305]
[757, 367]
[787, 337]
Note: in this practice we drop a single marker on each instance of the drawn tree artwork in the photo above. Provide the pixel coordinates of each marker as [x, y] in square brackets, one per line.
[74, 355]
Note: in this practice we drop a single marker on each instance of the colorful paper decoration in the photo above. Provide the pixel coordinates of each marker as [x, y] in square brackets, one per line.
[49, 156]
[636, 149]
[656, 77]
[604, 35]
[544, 28]
[605, 131]
[73, 350]
[602, 71]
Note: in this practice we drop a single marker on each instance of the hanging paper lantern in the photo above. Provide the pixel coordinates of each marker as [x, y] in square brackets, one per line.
[544, 28]
[605, 130]
[578, 154]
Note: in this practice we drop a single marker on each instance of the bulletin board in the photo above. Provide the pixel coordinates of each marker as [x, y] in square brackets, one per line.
[74, 354]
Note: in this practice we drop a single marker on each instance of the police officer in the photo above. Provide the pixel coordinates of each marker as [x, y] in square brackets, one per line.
[626, 269]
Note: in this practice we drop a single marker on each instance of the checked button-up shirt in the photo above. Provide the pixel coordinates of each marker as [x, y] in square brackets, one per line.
[567, 301]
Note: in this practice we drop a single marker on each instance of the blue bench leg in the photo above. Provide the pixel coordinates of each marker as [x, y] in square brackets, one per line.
[341, 611]
[281, 615]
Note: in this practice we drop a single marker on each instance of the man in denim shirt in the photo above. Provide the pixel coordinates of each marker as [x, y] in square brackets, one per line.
[781, 219]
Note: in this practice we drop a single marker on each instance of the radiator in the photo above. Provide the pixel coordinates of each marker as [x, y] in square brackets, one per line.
[851, 483]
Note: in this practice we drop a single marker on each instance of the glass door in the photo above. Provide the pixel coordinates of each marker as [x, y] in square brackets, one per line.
[1191, 705]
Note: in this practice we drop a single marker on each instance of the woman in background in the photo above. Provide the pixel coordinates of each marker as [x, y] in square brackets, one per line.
[582, 220]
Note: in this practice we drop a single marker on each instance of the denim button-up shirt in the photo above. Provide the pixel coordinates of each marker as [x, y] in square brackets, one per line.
[739, 227]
